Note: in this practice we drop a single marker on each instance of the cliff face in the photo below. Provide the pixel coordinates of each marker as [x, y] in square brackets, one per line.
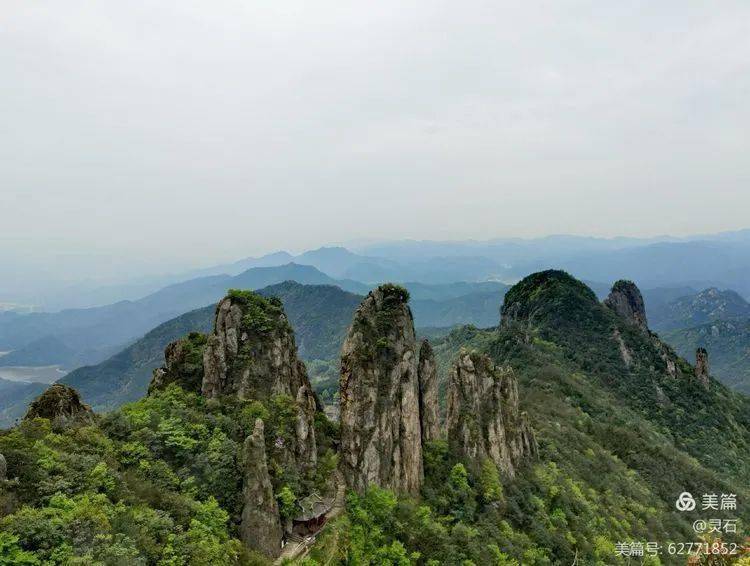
[61, 404]
[307, 450]
[428, 393]
[251, 353]
[380, 427]
[626, 300]
[483, 417]
[260, 528]
[701, 367]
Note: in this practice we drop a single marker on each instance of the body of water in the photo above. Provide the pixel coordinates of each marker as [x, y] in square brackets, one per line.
[43, 374]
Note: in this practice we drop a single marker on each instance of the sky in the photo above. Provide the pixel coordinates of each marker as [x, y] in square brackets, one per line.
[147, 135]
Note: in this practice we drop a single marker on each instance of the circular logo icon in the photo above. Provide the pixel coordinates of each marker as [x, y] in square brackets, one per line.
[685, 502]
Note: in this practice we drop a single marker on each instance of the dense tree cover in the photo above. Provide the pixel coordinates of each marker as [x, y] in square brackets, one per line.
[563, 325]
[157, 482]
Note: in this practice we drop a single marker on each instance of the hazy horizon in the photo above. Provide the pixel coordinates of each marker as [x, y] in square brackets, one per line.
[144, 139]
[101, 268]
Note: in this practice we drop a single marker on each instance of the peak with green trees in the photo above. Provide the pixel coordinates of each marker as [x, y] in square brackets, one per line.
[168, 479]
[260, 314]
[551, 299]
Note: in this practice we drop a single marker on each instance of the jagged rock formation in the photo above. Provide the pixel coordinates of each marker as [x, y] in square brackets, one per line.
[428, 393]
[701, 367]
[626, 300]
[183, 364]
[661, 398]
[261, 527]
[61, 404]
[251, 353]
[380, 428]
[3, 468]
[483, 418]
[307, 452]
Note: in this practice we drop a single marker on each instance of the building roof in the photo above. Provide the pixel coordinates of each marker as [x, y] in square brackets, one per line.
[313, 506]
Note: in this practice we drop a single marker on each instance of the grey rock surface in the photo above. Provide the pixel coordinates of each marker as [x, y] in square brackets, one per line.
[381, 440]
[483, 416]
[428, 393]
[701, 367]
[260, 528]
[626, 300]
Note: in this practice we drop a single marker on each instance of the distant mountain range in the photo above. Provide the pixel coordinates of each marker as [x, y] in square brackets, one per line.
[76, 337]
[698, 308]
[85, 336]
[699, 261]
[720, 260]
[450, 282]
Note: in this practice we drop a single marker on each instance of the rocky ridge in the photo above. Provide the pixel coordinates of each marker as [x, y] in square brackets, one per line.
[483, 419]
[626, 300]
[428, 393]
[251, 352]
[252, 355]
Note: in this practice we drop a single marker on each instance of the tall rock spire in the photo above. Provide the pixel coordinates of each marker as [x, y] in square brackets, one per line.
[380, 427]
[307, 450]
[626, 300]
[483, 417]
[261, 527]
[428, 393]
[701, 367]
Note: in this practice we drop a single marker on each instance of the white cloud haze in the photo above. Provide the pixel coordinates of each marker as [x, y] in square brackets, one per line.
[198, 131]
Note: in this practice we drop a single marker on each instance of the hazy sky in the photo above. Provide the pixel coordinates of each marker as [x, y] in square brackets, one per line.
[197, 131]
